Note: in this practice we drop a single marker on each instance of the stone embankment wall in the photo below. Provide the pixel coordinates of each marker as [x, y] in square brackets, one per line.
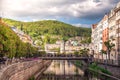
[115, 70]
[23, 70]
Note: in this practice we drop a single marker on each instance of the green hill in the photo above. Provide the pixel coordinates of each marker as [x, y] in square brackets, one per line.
[51, 27]
[11, 45]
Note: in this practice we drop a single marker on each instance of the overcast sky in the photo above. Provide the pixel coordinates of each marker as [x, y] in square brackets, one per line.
[77, 12]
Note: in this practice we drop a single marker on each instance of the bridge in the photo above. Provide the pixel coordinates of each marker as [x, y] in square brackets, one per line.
[64, 57]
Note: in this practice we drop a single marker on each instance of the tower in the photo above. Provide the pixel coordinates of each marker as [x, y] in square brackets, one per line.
[62, 47]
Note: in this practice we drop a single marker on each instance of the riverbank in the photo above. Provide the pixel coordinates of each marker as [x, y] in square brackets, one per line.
[99, 70]
[115, 70]
[23, 70]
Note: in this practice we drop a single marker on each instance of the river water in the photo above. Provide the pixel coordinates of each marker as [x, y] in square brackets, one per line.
[66, 70]
[63, 70]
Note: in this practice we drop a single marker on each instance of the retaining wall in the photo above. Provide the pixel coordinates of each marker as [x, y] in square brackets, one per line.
[113, 69]
[22, 70]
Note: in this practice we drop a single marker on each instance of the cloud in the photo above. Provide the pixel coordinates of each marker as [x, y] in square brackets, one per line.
[81, 25]
[40, 9]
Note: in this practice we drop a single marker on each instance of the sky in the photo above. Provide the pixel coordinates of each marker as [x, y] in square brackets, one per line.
[75, 12]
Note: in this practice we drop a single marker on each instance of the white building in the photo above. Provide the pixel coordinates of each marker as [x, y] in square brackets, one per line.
[97, 37]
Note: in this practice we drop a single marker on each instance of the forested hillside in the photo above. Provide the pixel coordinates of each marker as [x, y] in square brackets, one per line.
[51, 27]
[11, 45]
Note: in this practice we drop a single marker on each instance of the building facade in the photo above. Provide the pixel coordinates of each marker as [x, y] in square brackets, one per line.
[97, 38]
[109, 29]
[105, 31]
[117, 13]
[112, 32]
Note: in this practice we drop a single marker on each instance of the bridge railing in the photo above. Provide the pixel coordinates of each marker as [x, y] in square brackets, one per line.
[62, 55]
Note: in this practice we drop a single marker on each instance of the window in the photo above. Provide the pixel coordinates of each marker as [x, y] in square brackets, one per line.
[111, 28]
[118, 30]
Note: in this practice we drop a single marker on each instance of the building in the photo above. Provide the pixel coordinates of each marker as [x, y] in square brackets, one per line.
[105, 31]
[117, 13]
[97, 38]
[112, 31]
[25, 38]
[109, 29]
[0, 19]
[94, 26]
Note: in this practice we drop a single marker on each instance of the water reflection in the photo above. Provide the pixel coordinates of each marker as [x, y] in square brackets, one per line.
[65, 70]
[62, 70]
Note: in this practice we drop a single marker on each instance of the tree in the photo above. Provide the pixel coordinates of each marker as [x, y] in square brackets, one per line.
[87, 40]
[21, 28]
[84, 52]
[11, 45]
[103, 52]
[35, 29]
[76, 53]
[109, 46]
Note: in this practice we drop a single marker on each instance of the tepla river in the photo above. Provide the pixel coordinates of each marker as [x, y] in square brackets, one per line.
[65, 70]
